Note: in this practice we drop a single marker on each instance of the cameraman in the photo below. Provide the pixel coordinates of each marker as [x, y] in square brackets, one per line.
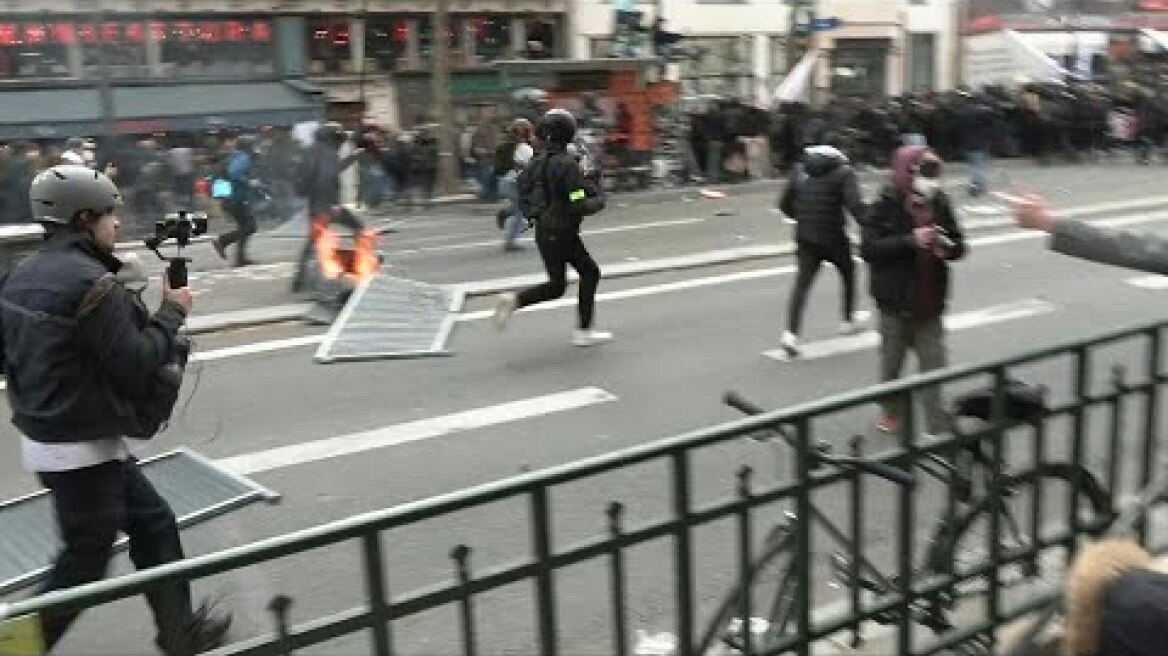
[82, 354]
[562, 196]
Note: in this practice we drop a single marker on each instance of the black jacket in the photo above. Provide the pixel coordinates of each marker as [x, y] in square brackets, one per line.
[822, 186]
[888, 246]
[320, 177]
[1133, 615]
[560, 195]
[77, 361]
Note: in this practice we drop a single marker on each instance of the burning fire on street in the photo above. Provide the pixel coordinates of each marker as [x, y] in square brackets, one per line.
[350, 265]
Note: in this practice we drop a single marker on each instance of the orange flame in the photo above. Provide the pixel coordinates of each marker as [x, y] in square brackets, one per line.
[357, 263]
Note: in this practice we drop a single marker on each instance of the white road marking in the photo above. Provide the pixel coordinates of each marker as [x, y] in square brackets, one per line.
[1149, 282]
[955, 322]
[597, 231]
[256, 347]
[415, 431]
[637, 292]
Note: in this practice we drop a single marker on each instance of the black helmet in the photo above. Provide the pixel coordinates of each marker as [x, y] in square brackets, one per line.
[558, 126]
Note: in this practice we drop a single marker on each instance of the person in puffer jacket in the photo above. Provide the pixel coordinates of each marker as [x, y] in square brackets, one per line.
[822, 188]
[1116, 604]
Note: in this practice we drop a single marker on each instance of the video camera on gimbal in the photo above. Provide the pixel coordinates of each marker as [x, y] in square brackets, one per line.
[180, 226]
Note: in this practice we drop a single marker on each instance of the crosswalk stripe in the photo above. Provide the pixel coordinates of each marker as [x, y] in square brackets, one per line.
[415, 431]
[1149, 282]
[956, 322]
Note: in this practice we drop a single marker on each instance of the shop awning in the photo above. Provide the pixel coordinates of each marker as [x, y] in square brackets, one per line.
[63, 112]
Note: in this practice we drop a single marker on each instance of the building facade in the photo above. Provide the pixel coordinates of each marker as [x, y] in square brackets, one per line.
[878, 47]
[63, 64]
[235, 62]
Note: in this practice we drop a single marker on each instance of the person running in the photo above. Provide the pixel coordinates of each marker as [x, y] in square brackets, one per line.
[562, 196]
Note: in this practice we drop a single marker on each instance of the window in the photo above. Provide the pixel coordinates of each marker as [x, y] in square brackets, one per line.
[540, 41]
[232, 47]
[387, 42]
[858, 67]
[30, 50]
[122, 44]
[491, 35]
[725, 66]
[329, 46]
[922, 62]
[426, 39]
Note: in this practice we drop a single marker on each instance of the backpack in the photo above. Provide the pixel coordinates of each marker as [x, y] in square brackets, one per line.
[533, 197]
[148, 415]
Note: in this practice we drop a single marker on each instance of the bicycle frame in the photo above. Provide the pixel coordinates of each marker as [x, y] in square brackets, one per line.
[1124, 524]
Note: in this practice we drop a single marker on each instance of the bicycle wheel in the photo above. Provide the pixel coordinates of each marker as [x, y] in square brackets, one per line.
[772, 589]
[961, 545]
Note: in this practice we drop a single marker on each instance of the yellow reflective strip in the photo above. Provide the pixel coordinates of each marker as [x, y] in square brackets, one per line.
[576, 195]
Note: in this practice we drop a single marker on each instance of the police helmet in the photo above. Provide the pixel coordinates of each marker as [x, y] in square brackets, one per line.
[60, 193]
[558, 126]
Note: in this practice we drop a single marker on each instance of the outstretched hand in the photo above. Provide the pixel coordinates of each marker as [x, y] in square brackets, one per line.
[1030, 211]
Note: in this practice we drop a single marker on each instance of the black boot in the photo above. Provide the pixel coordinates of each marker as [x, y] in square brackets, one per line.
[206, 630]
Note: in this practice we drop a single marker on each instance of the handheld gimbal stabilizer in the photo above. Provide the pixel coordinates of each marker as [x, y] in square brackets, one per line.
[179, 226]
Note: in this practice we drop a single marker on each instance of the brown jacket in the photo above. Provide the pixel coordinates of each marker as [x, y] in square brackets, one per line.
[1095, 568]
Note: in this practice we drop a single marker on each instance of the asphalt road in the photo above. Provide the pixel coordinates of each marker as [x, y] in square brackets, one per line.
[460, 243]
[677, 350]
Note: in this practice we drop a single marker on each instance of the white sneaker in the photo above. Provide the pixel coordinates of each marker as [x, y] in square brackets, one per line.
[857, 324]
[590, 337]
[505, 305]
[790, 345]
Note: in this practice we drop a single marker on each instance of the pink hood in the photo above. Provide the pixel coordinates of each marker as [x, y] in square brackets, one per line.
[902, 163]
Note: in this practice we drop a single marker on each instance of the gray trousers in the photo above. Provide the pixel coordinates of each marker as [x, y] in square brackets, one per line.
[899, 333]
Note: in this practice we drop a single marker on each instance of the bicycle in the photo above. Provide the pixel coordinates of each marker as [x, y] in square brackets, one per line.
[1037, 638]
[777, 562]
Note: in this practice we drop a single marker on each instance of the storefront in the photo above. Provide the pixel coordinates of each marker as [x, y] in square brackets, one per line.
[135, 48]
[859, 67]
[164, 73]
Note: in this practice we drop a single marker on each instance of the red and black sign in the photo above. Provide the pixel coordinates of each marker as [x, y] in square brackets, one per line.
[134, 32]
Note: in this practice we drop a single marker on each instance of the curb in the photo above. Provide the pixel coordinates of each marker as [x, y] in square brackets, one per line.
[234, 320]
[213, 323]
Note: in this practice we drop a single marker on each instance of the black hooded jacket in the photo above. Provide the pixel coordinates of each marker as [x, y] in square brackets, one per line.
[821, 188]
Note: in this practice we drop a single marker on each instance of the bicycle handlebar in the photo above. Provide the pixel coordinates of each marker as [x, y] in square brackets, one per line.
[741, 403]
[887, 472]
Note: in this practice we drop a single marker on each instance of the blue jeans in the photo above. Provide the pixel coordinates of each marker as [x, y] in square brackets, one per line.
[509, 191]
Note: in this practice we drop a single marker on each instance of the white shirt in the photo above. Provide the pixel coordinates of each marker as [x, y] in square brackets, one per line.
[68, 456]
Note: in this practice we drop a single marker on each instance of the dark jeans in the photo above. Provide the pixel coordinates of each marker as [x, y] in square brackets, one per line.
[92, 505]
[811, 257]
[899, 333]
[245, 227]
[341, 216]
[557, 252]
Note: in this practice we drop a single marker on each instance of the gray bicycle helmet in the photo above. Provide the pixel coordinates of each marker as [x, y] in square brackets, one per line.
[58, 194]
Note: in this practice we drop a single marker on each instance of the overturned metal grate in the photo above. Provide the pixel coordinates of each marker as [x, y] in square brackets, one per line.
[388, 317]
[196, 489]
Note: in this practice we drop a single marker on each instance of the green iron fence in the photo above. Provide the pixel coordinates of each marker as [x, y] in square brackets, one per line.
[914, 601]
